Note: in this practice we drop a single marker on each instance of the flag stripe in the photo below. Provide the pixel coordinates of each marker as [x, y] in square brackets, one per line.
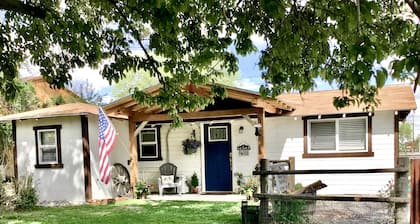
[106, 139]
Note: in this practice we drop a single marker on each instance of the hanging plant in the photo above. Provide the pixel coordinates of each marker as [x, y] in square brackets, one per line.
[190, 145]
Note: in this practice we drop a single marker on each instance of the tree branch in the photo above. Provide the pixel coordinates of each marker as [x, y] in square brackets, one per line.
[415, 7]
[24, 8]
[138, 38]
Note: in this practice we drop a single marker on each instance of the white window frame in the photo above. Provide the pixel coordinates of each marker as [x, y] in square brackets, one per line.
[40, 146]
[337, 137]
[218, 140]
[156, 143]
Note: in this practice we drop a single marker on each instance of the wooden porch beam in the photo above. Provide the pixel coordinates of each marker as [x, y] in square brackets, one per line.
[129, 105]
[139, 128]
[197, 115]
[267, 107]
[135, 108]
[261, 145]
[15, 161]
[133, 153]
[113, 107]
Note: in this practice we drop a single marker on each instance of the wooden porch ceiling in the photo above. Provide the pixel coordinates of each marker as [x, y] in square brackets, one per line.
[238, 102]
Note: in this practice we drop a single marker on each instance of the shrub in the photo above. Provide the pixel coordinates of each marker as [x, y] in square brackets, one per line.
[3, 196]
[194, 180]
[27, 197]
[290, 211]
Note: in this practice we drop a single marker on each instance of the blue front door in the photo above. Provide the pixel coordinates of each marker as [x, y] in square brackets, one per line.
[217, 140]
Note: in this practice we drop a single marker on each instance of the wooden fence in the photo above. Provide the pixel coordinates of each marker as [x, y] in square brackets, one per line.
[401, 199]
[415, 192]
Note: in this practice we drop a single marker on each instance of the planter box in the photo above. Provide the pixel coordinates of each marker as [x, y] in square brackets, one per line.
[249, 213]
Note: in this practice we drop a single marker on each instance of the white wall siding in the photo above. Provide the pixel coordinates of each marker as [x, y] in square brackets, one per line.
[243, 164]
[66, 184]
[284, 138]
[120, 154]
[173, 152]
[188, 164]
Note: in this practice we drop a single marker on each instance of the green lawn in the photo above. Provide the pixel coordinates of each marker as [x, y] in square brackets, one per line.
[131, 211]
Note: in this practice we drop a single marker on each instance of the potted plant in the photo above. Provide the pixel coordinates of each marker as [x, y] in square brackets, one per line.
[249, 188]
[190, 145]
[143, 189]
[194, 183]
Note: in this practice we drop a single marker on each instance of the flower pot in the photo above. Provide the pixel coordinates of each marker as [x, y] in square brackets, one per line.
[195, 190]
[141, 195]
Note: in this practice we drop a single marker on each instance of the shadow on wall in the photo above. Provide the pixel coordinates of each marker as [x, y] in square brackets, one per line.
[61, 184]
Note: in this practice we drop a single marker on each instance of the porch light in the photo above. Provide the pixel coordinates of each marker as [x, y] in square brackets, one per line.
[241, 129]
[396, 112]
[257, 129]
[344, 115]
[319, 116]
[370, 114]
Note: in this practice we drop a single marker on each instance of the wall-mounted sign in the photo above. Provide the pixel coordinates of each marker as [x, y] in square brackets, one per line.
[243, 149]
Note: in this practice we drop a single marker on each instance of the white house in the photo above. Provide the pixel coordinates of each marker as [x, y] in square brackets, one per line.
[306, 127]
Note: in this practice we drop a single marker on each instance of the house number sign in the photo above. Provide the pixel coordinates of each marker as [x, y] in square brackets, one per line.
[244, 149]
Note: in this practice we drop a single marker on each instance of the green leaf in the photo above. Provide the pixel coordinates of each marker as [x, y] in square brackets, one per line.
[381, 76]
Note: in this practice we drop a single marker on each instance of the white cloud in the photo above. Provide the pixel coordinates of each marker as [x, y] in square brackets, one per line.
[92, 75]
[258, 41]
[248, 84]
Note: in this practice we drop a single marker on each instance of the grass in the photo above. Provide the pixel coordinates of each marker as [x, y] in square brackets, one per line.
[131, 211]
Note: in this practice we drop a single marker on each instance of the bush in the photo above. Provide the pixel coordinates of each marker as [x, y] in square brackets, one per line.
[3, 196]
[194, 180]
[290, 211]
[27, 197]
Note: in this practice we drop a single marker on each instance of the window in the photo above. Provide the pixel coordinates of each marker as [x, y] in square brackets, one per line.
[338, 136]
[149, 144]
[218, 134]
[48, 146]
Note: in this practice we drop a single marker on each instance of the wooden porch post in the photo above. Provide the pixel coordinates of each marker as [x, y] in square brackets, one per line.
[133, 153]
[15, 164]
[415, 192]
[261, 147]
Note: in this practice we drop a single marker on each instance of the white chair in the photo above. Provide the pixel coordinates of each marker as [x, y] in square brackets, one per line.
[168, 178]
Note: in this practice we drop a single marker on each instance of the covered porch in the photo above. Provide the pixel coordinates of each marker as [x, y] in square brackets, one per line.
[221, 128]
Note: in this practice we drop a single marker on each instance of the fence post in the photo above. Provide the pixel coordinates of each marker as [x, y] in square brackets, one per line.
[291, 178]
[263, 213]
[415, 191]
[401, 190]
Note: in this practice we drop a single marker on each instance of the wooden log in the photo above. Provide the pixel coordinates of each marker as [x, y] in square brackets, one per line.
[311, 188]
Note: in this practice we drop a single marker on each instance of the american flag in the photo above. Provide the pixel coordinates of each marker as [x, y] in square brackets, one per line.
[107, 137]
